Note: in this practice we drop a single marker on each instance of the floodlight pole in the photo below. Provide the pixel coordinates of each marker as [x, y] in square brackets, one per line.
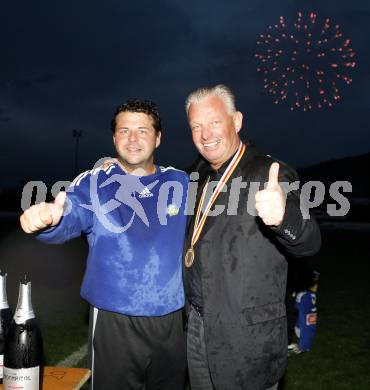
[76, 134]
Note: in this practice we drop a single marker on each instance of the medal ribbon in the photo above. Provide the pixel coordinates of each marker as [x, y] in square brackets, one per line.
[198, 225]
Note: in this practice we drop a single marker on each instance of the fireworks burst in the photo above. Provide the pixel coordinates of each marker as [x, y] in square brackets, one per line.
[303, 65]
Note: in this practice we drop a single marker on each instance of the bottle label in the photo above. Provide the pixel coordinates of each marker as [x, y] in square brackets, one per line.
[1, 366]
[21, 378]
[21, 316]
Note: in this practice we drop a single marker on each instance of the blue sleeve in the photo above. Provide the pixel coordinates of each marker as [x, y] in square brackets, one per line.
[78, 218]
[307, 320]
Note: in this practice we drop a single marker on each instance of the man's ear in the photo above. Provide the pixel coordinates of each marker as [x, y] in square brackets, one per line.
[158, 139]
[238, 121]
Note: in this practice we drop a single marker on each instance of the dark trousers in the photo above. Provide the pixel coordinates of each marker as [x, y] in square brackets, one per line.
[199, 374]
[137, 353]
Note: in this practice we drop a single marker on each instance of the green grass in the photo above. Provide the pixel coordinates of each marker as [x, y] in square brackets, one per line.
[63, 338]
[340, 358]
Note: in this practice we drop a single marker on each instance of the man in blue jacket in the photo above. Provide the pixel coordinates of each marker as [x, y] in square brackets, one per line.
[132, 213]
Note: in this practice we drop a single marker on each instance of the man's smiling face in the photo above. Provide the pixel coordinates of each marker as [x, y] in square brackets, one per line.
[135, 140]
[214, 129]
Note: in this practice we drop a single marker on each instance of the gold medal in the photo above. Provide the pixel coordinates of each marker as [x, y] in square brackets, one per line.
[189, 257]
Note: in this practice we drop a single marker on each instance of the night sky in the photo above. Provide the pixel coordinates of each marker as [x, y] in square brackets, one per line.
[66, 65]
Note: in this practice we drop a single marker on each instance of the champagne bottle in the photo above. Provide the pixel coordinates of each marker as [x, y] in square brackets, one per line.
[23, 353]
[4, 320]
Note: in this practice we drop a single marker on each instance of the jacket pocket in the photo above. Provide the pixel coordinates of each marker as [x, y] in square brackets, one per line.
[255, 315]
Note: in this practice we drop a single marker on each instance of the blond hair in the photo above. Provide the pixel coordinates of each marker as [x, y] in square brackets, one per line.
[220, 90]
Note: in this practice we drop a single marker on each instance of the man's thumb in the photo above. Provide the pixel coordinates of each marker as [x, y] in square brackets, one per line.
[273, 175]
[60, 199]
[57, 207]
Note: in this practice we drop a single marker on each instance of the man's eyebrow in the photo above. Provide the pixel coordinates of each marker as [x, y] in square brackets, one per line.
[127, 127]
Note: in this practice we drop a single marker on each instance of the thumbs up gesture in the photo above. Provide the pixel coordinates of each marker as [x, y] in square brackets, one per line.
[270, 202]
[43, 215]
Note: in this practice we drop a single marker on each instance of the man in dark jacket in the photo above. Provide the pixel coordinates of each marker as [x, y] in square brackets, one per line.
[243, 226]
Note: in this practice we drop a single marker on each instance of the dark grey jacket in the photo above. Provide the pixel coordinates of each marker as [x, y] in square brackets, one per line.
[244, 279]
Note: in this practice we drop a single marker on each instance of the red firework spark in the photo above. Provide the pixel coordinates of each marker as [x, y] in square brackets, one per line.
[304, 64]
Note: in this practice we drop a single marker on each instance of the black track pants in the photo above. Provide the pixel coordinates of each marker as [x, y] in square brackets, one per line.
[137, 353]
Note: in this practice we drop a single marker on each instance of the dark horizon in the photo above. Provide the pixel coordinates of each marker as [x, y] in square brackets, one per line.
[66, 67]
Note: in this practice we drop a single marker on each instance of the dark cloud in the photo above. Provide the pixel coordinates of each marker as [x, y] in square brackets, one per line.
[4, 115]
[66, 65]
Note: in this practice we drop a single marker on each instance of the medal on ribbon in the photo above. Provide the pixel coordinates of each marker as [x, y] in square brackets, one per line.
[200, 221]
[189, 257]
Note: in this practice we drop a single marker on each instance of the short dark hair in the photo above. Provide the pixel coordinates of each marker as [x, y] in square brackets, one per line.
[145, 106]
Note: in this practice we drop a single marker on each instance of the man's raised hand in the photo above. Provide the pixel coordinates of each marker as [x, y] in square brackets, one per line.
[270, 202]
[43, 215]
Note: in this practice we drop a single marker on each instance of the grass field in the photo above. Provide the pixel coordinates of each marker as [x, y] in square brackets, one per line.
[339, 360]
